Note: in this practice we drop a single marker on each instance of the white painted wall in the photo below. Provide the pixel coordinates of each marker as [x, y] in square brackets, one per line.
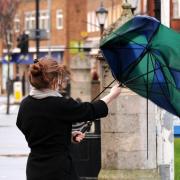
[165, 12]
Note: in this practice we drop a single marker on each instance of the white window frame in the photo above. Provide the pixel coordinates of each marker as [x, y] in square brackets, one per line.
[16, 24]
[92, 22]
[29, 20]
[89, 22]
[176, 9]
[59, 17]
[44, 20]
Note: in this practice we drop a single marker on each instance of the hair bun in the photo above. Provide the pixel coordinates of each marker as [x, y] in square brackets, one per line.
[36, 69]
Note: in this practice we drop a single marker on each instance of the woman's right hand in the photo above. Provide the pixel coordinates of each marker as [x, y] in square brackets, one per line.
[114, 93]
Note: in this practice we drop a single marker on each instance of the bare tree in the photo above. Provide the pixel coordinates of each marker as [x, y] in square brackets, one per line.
[7, 13]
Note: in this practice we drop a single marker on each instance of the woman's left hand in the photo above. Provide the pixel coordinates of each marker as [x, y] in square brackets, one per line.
[77, 136]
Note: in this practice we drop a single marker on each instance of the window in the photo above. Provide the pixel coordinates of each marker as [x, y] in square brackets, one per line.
[92, 22]
[89, 22]
[44, 20]
[17, 24]
[176, 9]
[29, 20]
[59, 19]
[9, 37]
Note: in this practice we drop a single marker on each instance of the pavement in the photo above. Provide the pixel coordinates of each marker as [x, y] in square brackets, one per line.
[13, 146]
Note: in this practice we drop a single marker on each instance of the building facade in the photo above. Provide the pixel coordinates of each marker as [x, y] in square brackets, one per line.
[62, 23]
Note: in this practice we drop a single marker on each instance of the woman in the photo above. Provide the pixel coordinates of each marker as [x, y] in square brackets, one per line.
[45, 118]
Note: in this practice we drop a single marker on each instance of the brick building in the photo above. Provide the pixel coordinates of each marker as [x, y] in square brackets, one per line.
[73, 23]
[154, 7]
[63, 25]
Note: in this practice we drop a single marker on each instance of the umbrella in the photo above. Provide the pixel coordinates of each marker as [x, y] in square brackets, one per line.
[144, 55]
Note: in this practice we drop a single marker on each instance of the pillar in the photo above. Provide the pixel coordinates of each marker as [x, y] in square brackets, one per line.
[80, 77]
[128, 148]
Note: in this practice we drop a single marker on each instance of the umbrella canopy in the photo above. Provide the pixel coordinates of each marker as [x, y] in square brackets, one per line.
[144, 55]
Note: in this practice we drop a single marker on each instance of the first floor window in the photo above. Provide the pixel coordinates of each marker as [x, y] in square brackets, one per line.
[17, 24]
[176, 9]
[44, 20]
[59, 19]
[29, 20]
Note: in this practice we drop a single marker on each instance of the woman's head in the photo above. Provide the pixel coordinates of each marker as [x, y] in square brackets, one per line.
[46, 73]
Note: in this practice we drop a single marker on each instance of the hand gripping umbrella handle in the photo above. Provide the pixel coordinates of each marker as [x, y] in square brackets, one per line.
[85, 128]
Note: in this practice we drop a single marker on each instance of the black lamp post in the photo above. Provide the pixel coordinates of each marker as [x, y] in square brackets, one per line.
[101, 14]
[37, 29]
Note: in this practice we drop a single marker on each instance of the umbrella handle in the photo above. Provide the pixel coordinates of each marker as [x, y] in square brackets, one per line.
[85, 128]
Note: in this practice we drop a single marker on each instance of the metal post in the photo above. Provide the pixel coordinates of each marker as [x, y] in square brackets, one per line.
[37, 29]
[8, 83]
[101, 29]
[8, 70]
[49, 41]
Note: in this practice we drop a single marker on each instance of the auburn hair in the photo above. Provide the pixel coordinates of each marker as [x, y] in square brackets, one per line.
[46, 73]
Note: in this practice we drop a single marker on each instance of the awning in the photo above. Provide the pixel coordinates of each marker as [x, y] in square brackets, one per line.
[28, 58]
[58, 56]
[18, 58]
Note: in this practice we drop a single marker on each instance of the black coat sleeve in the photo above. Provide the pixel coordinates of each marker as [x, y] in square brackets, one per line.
[73, 111]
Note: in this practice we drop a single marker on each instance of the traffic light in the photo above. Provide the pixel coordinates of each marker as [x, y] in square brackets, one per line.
[23, 43]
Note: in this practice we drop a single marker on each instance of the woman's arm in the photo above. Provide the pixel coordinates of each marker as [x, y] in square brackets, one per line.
[72, 111]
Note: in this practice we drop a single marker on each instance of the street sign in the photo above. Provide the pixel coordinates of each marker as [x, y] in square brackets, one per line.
[42, 34]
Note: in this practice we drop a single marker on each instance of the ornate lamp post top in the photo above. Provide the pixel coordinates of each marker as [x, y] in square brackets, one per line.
[101, 14]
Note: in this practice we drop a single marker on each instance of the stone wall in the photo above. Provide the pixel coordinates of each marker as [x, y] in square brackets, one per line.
[127, 151]
[80, 78]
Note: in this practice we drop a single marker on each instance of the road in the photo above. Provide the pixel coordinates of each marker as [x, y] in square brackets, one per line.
[13, 147]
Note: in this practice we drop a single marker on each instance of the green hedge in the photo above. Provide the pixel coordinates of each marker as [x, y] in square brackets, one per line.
[177, 158]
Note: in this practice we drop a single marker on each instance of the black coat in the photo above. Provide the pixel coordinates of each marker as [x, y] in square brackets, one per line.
[46, 124]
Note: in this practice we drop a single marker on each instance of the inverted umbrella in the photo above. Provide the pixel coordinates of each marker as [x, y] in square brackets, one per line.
[144, 55]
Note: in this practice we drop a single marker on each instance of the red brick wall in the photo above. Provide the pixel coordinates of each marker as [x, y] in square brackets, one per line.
[74, 17]
[174, 23]
[58, 37]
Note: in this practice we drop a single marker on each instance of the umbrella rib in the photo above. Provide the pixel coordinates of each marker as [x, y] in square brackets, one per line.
[139, 83]
[162, 89]
[153, 92]
[139, 59]
[123, 37]
[134, 78]
[160, 69]
[166, 77]
[147, 107]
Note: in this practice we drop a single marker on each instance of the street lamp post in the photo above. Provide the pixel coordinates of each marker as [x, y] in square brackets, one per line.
[37, 29]
[101, 14]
